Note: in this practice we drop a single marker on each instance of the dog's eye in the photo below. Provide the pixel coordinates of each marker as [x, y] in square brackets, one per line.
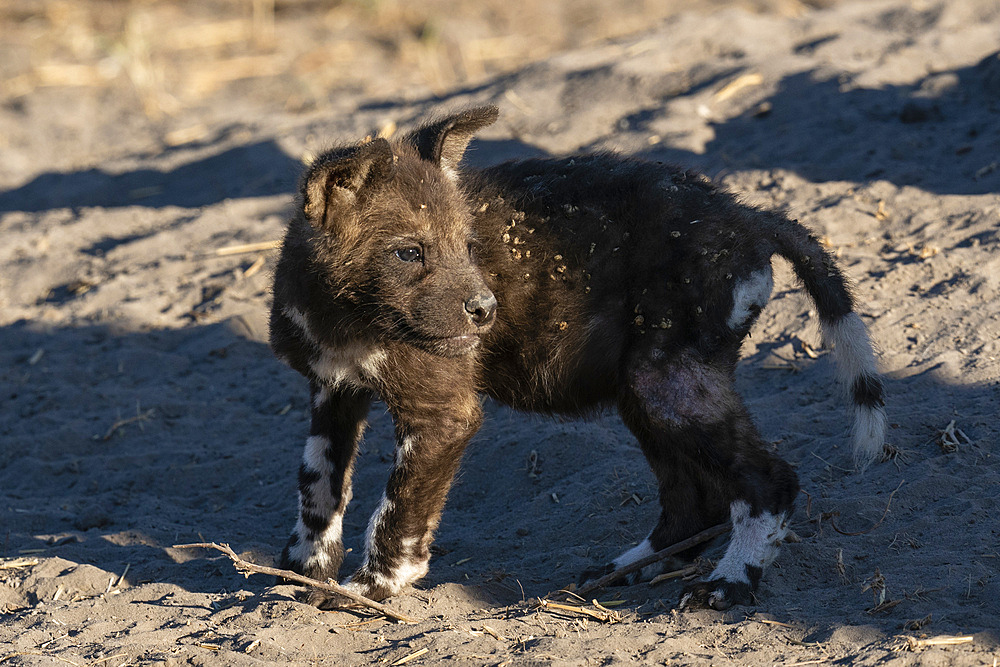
[409, 254]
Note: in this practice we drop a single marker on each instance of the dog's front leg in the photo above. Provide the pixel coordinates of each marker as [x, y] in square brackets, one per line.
[338, 421]
[431, 435]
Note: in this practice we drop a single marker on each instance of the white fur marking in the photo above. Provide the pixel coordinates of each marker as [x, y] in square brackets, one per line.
[314, 457]
[754, 542]
[868, 435]
[374, 526]
[852, 348]
[754, 291]
[855, 358]
[321, 396]
[356, 363]
[313, 552]
[636, 553]
[408, 571]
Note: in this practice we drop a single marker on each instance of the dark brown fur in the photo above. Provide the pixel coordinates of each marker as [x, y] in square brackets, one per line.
[614, 287]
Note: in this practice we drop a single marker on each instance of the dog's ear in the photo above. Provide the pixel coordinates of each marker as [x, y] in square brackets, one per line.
[444, 142]
[335, 179]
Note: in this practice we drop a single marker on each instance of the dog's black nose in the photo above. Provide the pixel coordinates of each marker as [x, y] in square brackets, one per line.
[481, 308]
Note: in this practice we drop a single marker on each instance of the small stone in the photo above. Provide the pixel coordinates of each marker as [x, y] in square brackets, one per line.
[639, 320]
[676, 234]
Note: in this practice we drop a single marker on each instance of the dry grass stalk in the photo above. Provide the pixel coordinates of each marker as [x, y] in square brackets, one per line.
[876, 585]
[16, 563]
[882, 213]
[247, 568]
[883, 606]
[412, 656]
[257, 265]
[186, 135]
[913, 643]
[841, 568]
[215, 74]
[683, 545]
[738, 84]
[243, 248]
[206, 35]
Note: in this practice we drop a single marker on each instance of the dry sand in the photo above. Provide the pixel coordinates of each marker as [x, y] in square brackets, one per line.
[142, 408]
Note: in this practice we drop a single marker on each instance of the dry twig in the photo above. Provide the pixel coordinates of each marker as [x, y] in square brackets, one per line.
[683, 572]
[247, 568]
[950, 438]
[683, 545]
[602, 614]
[139, 417]
[877, 523]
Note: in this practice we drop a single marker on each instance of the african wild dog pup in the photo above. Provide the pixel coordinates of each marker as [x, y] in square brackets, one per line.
[552, 285]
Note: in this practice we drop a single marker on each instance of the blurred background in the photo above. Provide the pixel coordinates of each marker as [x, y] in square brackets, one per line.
[165, 57]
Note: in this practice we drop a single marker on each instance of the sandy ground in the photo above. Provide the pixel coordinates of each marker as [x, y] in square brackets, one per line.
[142, 408]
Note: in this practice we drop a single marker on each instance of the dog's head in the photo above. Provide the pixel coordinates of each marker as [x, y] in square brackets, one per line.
[393, 235]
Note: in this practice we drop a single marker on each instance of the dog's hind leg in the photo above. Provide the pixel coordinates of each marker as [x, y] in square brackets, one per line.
[711, 464]
[315, 548]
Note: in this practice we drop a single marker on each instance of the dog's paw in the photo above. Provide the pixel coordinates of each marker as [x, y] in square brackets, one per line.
[718, 594]
[325, 600]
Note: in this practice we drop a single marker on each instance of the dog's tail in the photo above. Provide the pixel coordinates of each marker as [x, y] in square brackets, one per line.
[844, 330]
